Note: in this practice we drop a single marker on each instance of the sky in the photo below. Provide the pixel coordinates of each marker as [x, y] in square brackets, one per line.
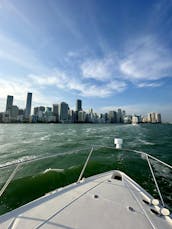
[108, 53]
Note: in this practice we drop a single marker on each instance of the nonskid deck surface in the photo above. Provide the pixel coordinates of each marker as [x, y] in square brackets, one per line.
[96, 202]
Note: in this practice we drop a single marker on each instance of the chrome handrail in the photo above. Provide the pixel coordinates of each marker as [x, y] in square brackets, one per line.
[153, 175]
[41, 158]
[9, 180]
[85, 165]
[135, 151]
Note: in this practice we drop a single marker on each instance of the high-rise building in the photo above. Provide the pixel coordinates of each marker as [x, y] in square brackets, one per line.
[119, 116]
[78, 105]
[78, 108]
[21, 112]
[153, 117]
[28, 105]
[56, 111]
[149, 118]
[128, 119]
[1, 117]
[48, 109]
[81, 116]
[112, 116]
[63, 111]
[9, 103]
[71, 115]
[14, 113]
[158, 117]
[41, 108]
[35, 110]
[135, 119]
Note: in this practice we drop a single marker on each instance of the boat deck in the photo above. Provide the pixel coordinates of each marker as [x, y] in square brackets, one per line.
[108, 200]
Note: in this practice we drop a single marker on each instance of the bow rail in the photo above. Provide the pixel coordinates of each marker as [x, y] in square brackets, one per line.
[94, 147]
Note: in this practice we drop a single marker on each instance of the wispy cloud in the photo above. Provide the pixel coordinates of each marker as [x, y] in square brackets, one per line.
[145, 59]
[149, 60]
[99, 69]
[19, 89]
[12, 9]
[15, 52]
[62, 80]
[149, 84]
[13, 88]
[66, 19]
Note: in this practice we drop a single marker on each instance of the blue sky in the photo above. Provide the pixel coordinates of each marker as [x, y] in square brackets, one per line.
[108, 53]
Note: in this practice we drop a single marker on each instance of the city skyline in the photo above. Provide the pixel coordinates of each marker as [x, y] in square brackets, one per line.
[29, 107]
[62, 113]
[104, 52]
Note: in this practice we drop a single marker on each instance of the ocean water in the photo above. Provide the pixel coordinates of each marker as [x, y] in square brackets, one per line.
[66, 147]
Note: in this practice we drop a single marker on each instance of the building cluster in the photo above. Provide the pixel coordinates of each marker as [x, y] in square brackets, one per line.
[61, 113]
[14, 114]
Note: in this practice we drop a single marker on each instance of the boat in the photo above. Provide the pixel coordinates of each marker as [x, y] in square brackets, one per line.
[107, 200]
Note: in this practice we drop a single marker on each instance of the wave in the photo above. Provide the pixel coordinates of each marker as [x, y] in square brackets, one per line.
[74, 166]
[22, 159]
[161, 170]
[27, 141]
[146, 142]
[44, 138]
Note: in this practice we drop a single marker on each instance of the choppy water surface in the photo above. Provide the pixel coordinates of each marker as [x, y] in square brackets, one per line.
[70, 145]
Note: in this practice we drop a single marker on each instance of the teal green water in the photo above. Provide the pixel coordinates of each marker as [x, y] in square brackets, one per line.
[70, 145]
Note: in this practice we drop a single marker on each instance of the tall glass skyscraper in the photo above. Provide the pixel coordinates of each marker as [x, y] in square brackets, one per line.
[28, 105]
[63, 111]
[9, 102]
[78, 105]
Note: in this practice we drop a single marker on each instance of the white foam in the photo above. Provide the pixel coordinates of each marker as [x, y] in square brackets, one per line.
[52, 170]
[74, 166]
[22, 159]
[146, 142]
[27, 141]
[44, 138]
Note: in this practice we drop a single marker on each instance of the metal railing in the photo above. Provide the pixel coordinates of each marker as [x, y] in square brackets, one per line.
[146, 156]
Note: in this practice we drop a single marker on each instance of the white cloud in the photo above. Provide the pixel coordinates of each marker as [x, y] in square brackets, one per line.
[149, 60]
[19, 89]
[103, 91]
[99, 69]
[146, 59]
[60, 79]
[146, 84]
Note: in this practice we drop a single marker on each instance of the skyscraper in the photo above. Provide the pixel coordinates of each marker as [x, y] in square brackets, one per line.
[149, 118]
[78, 105]
[9, 102]
[63, 111]
[14, 113]
[119, 116]
[56, 111]
[81, 116]
[28, 105]
[78, 108]
[153, 117]
[112, 117]
[158, 117]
